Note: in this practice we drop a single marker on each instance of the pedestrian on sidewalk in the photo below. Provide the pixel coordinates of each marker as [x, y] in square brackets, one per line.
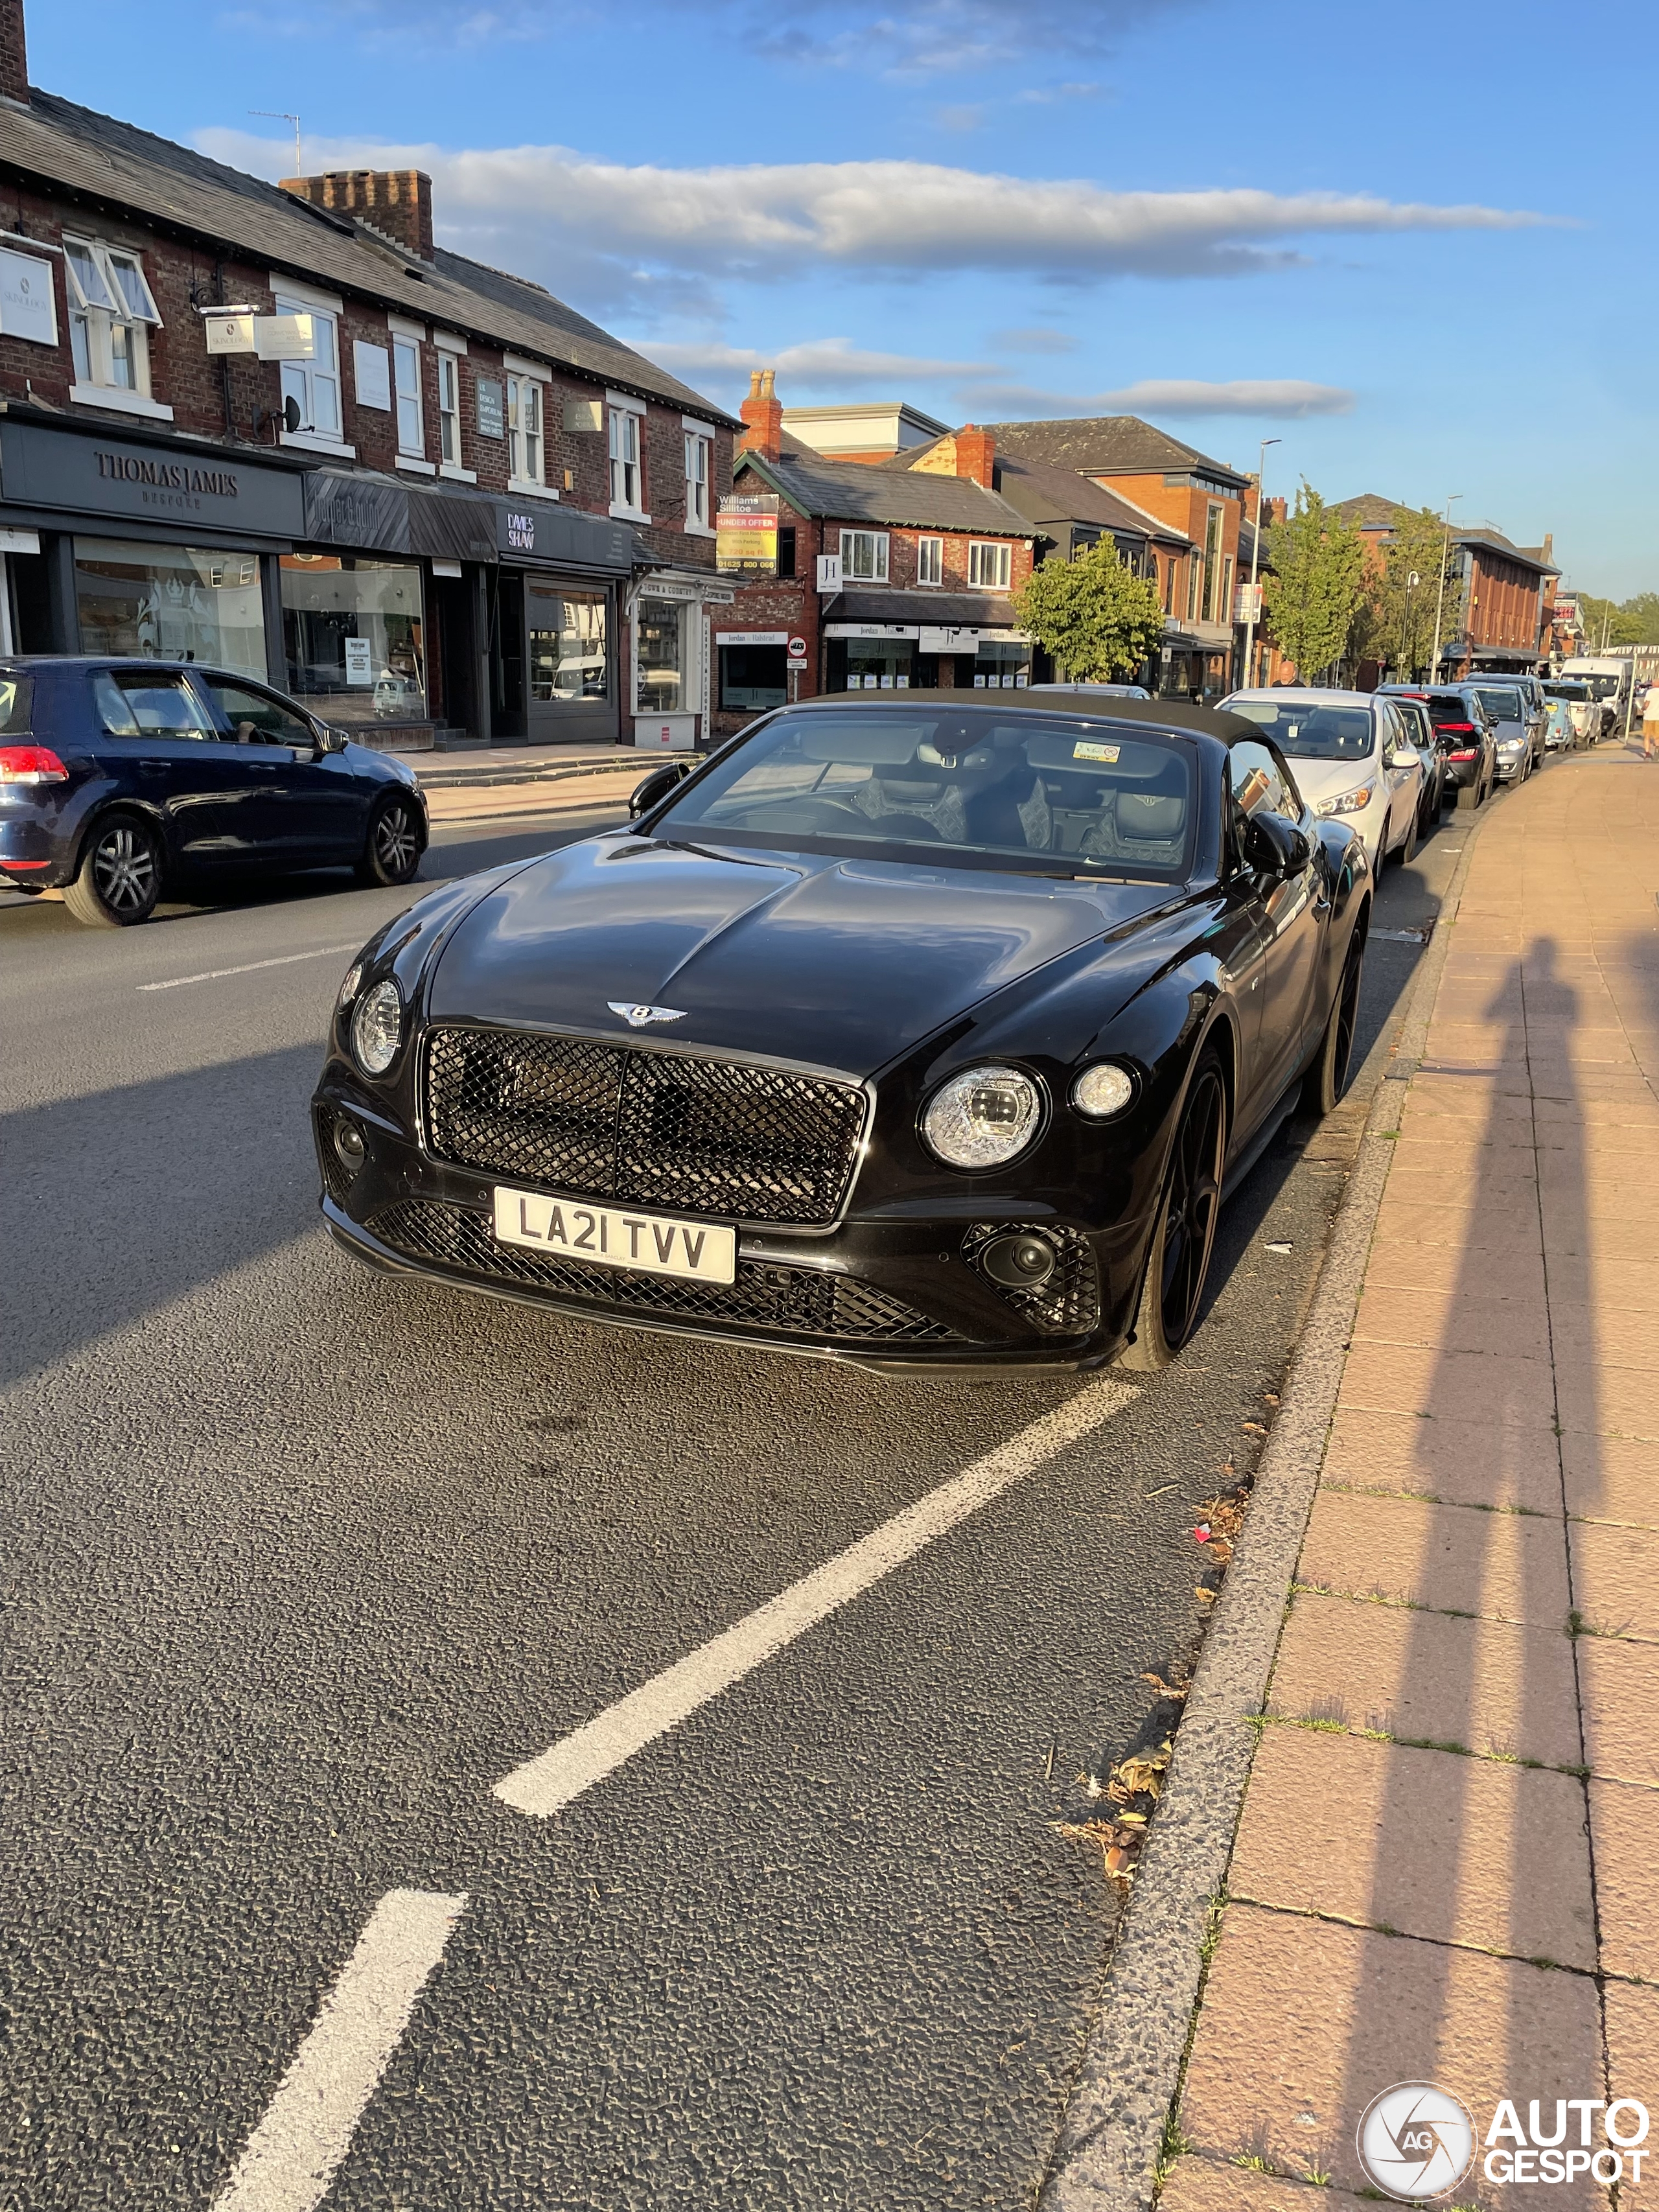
[1650, 723]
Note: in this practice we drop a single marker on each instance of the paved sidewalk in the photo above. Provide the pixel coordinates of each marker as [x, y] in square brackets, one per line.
[1444, 1871]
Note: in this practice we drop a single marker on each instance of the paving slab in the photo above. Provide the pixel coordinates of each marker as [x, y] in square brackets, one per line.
[1632, 2030]
[1473, 1851]
[1304, 2021]
[1619, 1681]
[1448, 1318]
[1436, 1383]
[1622, 1816]
[1615, 1578]
[1453, 1462]
[1611, 1479]
[1451, 1559]
[1199, 2184]
[1483, 1685]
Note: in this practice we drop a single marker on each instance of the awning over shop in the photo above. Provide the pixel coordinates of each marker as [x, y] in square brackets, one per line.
[365, 509]
[913, 611]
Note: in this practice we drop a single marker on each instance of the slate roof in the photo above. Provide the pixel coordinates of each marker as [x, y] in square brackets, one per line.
[859, 491]
[1482, 533]
[1108, 445]
[1369, 511]
[103, 159]
[932, 610]
[1042, 495]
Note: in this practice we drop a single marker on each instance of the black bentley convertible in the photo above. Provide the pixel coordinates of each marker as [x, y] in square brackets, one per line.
[921, 1032]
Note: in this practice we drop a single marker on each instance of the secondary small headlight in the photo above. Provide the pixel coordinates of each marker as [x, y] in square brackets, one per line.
[1103, 1090]
[351, 983]
[982, 1117]
[377, 1027]
[1347, 802]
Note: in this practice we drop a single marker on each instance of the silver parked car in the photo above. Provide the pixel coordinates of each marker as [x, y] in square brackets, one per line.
[1520, 745]
[1352, 756]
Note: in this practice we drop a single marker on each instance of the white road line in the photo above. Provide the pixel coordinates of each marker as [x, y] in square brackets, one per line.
[248, 967]
[557, 1777]
[296, 2149]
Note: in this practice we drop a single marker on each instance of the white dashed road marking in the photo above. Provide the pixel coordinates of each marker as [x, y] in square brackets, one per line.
[248, 967]
[294, 2152]
[557, 1777]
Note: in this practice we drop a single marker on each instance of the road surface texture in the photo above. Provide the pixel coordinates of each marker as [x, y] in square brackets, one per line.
[302, 1562]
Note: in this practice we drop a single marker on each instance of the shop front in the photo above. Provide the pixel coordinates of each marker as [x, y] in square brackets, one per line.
[917, 641]
[553, 607]
[669, 655]
[164, 550]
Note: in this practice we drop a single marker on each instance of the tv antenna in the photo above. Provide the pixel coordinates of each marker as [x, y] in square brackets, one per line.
[282, 115]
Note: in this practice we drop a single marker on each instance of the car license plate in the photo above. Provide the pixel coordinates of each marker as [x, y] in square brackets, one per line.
[609, 1236]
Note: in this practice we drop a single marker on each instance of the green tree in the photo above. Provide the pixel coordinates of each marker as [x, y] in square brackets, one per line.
[1316, 584]
[1609, 623]
[1095, 616]
[1395, 623]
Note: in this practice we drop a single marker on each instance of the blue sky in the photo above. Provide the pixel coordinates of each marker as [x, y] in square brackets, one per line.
[1411, 243]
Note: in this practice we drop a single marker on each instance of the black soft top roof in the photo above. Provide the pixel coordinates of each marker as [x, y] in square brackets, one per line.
[1174, 716]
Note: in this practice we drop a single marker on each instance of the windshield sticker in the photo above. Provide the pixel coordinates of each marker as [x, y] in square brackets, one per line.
[1084, 750]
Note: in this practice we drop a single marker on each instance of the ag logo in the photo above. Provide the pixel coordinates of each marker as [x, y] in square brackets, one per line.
[1416, 2141]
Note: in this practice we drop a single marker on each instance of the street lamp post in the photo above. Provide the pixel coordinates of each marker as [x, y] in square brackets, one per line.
[1440, 599]
[1255, 552]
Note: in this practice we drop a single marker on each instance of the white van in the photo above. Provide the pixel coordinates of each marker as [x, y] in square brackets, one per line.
[1609, 678]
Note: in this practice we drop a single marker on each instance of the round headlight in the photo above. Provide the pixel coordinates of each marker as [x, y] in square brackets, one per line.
[983, 1117]
[377, 1027]
[1103, 1090]
[351, 984]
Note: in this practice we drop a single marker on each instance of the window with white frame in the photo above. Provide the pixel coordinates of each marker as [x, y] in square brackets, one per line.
[864, 556]
[313, 386]
[449, 408]
[989, 564]
[524, 429]
[110, 312]
[406, 389]
[698, 454]
[626, 488]
[930, 559]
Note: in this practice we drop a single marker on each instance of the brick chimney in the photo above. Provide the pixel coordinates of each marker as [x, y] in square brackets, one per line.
[762, 417]
[395, 201]
[14, 54]
[977, 453]
[1274, 510]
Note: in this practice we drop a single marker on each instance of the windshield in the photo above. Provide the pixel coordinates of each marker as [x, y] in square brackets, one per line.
[1580, 691]
[1309, 730]
[1600, 687]
[968, 788]
[1501, 703]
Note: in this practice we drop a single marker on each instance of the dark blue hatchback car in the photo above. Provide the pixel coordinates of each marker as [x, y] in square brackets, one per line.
[119, 777]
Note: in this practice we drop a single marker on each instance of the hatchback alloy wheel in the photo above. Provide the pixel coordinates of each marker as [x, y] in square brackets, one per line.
[121, 876]
[394, 847]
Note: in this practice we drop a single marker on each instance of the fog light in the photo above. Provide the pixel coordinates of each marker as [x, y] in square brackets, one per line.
[1020, 1262]
[349, 1143]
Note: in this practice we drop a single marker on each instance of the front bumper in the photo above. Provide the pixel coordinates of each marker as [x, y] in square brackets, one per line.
[890, 1295]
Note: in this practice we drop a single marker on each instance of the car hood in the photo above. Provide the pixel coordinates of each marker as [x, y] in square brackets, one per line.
[834, 962]
[1328, 779]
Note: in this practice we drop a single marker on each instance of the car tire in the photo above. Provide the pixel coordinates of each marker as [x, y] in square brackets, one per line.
[392, 848]
[119, 878]
[1405, 851]
[1469, 797]
[1326, 1081]
[1178, 1257]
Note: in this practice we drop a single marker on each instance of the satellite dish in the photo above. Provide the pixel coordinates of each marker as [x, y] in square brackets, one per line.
[291, 415]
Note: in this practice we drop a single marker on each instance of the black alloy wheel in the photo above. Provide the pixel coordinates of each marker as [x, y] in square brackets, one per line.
[1178, 1261]
[394, 845]
[1327, 1080]
[119, 878]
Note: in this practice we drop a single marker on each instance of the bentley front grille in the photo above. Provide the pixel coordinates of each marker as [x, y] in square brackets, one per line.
[651, 1128]
[805, 1302]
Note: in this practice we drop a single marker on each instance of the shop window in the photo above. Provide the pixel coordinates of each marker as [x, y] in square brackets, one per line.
[989, 564]
[1212, 563]
[1192, 587]
[569, 660]
[355, 637]
[524, 429]
[930, 559]
[627, 489]
[753, 677]
[785, 550]
[170, 603]
[449, 408]
[406, 384]
[864, 557]
[110, 312]
[659, 671]
[879, 664]
[699, 453]
[313, 386]
[1002, 664]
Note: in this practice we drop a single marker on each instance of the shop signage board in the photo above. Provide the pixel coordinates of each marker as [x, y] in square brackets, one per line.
[959, 639]
[746, 534]
[122, 479]
[359, 660]
[751, 637]
[872, 629]
[285, 337]
[229, 333]
[28, 309]
[830, 572]
[492, 413]
[1247, 602]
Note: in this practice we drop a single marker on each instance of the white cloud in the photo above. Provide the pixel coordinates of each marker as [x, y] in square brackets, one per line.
[881, 215]
[1280, 397]
[836, 362]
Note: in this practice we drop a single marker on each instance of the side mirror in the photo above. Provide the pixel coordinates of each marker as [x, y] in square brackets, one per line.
[328, 740]
[1275, 847]
[657, 786]
[1402, 756]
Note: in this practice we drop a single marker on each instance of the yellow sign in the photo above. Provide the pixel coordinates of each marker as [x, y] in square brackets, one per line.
[747, 535]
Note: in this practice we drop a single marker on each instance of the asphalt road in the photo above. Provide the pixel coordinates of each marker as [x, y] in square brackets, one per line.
[300, 1562]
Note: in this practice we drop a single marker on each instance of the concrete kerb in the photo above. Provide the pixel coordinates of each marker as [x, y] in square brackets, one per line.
[1112, 2135]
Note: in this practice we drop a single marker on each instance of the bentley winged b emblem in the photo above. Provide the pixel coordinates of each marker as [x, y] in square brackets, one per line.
[637, 1017]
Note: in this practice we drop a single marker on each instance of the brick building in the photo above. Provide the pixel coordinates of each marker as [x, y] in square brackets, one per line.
[926, 563]
[1507, 591]
[1200, 500]
[281, 429]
